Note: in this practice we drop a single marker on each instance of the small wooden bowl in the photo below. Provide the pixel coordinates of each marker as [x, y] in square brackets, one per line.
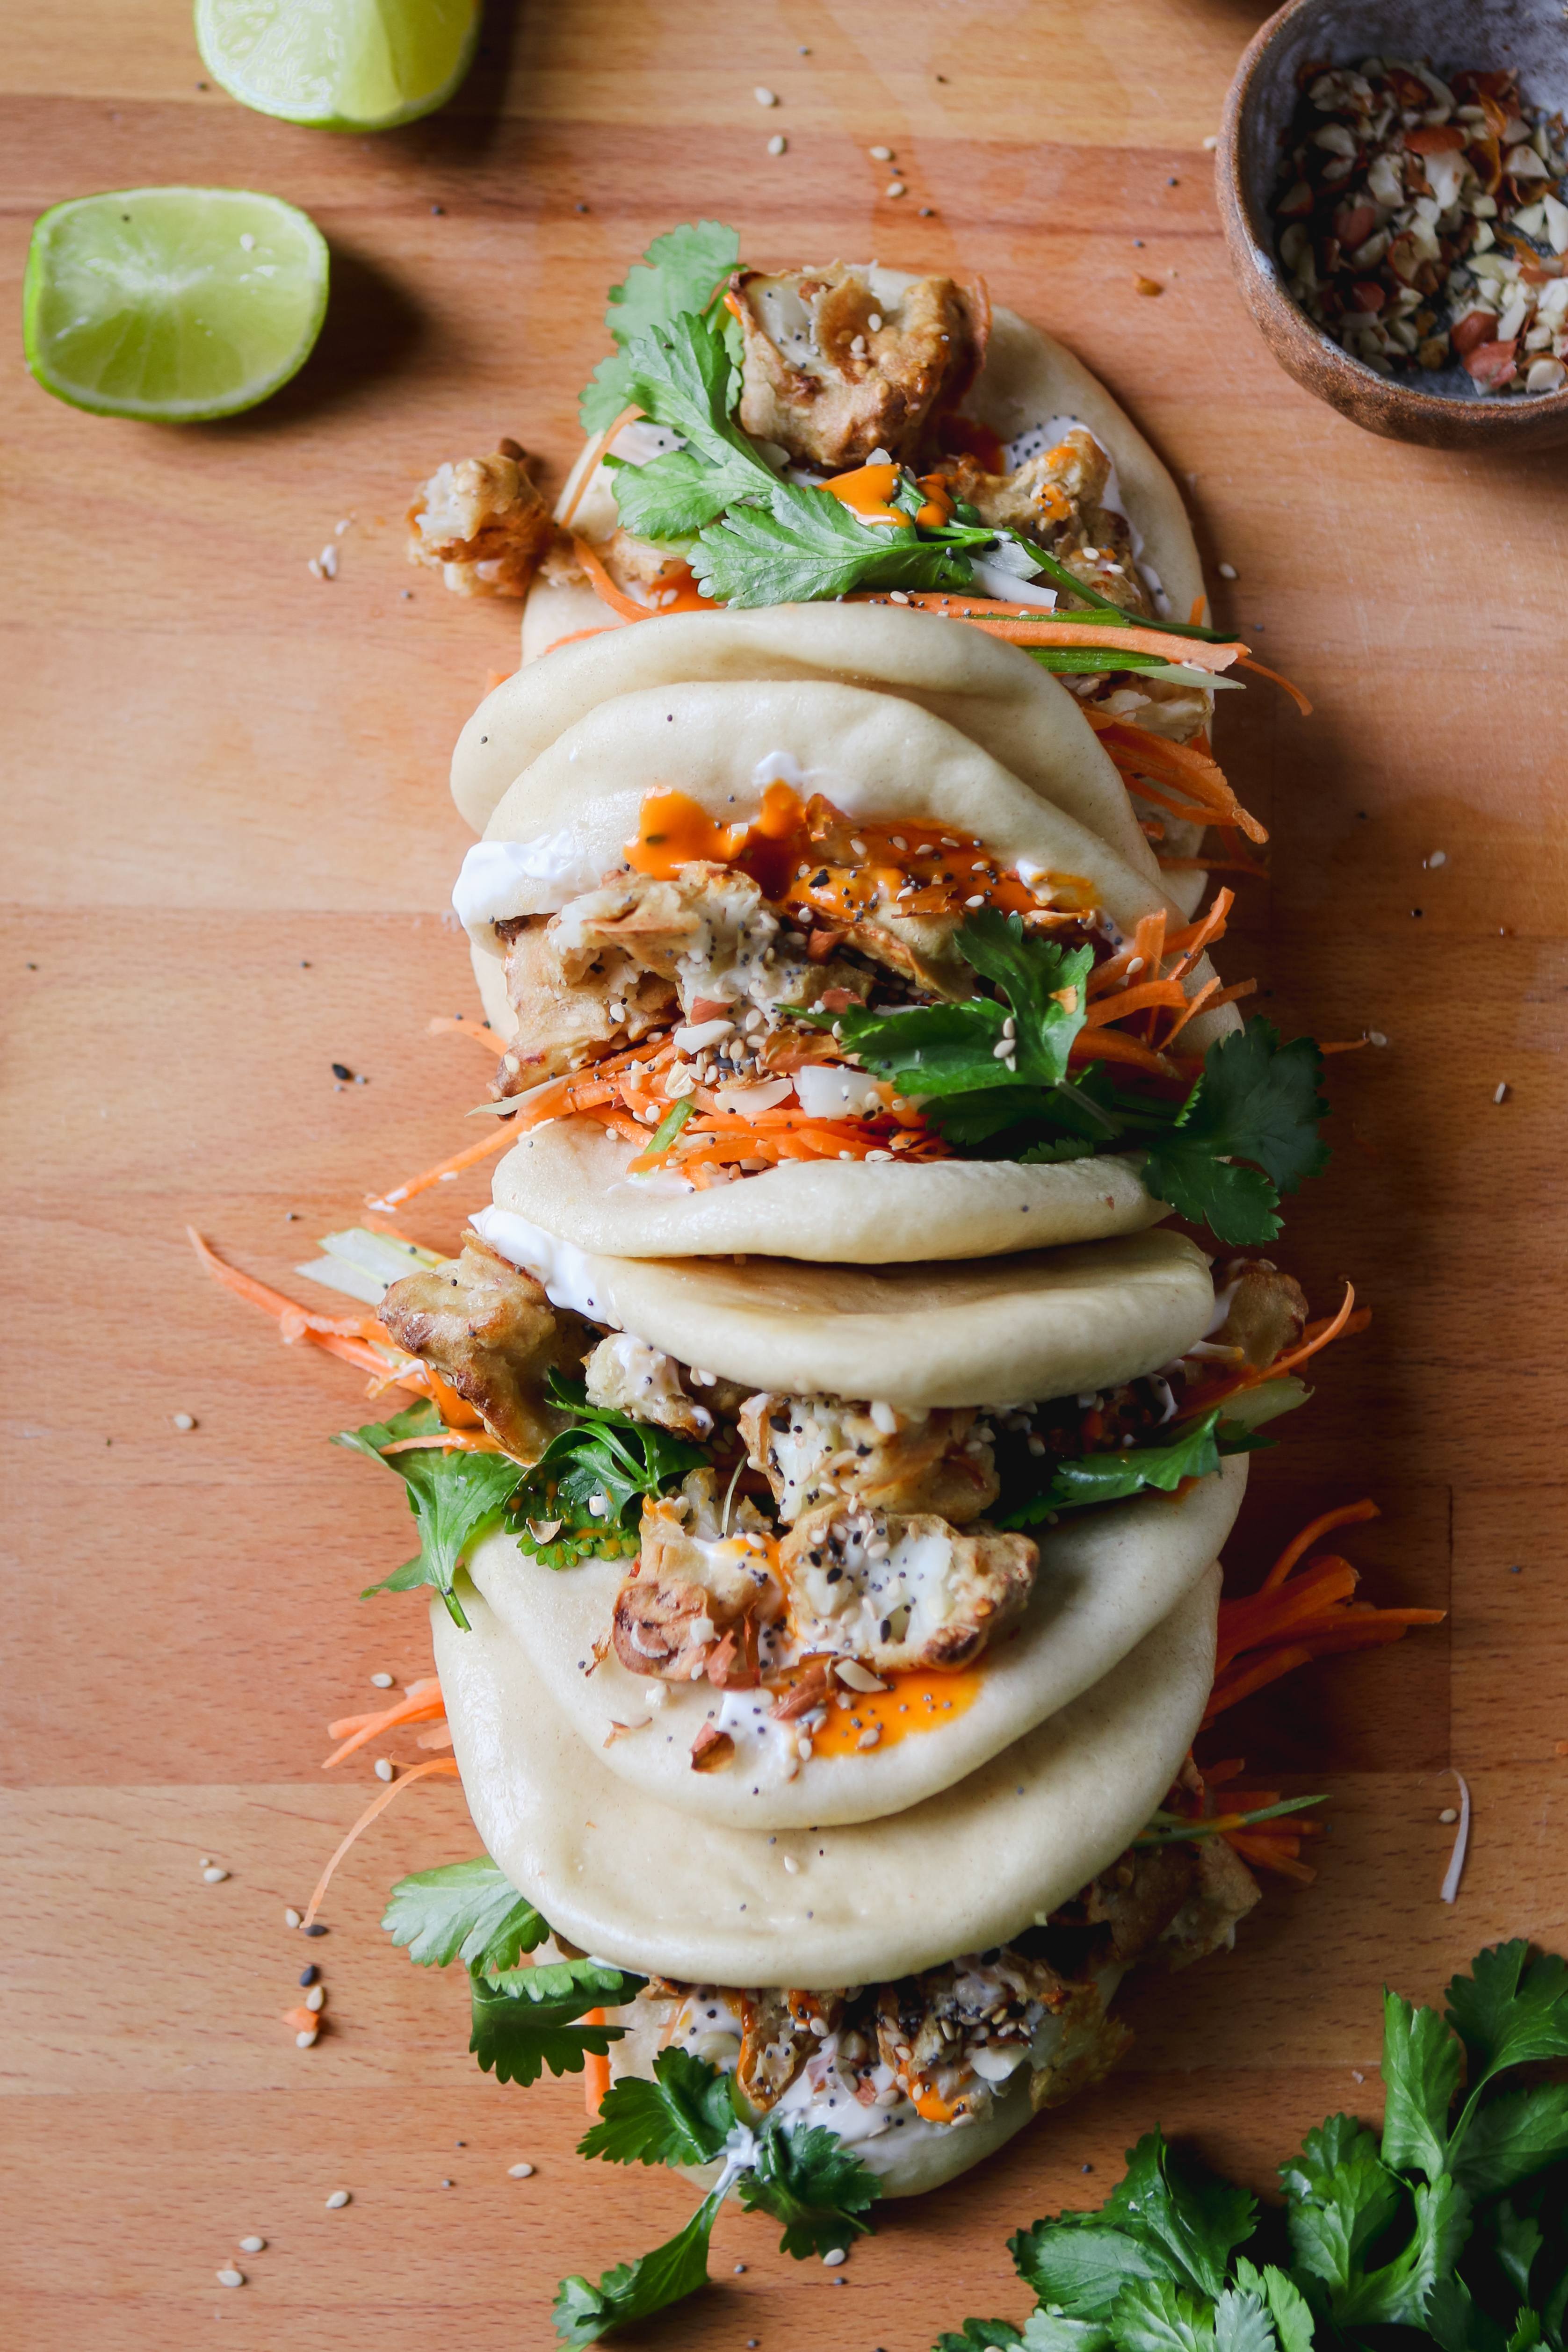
[1527, 35]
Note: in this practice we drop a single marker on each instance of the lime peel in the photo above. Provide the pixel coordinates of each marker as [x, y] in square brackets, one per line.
[339, 65]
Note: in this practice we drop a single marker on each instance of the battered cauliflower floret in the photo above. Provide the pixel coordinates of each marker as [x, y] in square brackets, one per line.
[685, 1610]
[482, 523]
[628, 1376]
[839, 362]
[491, 1333]
[899, 1592]
[816, 1449]
[607, 999]
[708, 931]
[1058, 500]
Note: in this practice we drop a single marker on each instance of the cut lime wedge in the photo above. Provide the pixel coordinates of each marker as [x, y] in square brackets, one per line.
[172, 304]
[339, 65]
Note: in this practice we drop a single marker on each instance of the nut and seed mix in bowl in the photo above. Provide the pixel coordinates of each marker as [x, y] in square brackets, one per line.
[1421, 223]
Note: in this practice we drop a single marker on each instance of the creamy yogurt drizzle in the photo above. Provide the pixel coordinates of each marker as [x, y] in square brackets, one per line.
[565, 1271]
[1046, 436]
[500, 879]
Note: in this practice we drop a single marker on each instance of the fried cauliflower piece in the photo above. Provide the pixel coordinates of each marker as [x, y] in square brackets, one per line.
[1058, 498]
[482, 523]
[901, 1590]
[953, 2035]
[840, 361]
[815, 1450]
[491, 1333]
[1266, 1312]
[608, 998]
[628, 1375]
[694, 1587]
[706, 932]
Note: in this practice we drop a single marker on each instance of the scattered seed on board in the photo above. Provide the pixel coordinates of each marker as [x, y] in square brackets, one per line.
[1502, 1094]
[1227, 571]
[337, 2201]
[765, 97]
[740, 2270]
[1449, 1815]
[215, 1873]
[316, 1997]
[1211, 143]
[778, 143]
[231, 2278]
[252, 2245]
[831, 2260]
[1439, 858]
[306, 2038]
[895, 187]
[308, 1973]
[315, 1928]
[381, 1682]
[881, 154]
[290, 1917]
[383, 1767]
[520, 2172]
[184, 1421]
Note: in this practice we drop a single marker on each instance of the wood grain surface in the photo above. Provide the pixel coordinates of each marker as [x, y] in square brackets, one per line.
[227, 848]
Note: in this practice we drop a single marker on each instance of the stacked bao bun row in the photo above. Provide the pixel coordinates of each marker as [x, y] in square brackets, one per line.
[847, 1765]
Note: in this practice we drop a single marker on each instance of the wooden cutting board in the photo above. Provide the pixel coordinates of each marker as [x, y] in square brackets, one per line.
[229, 848]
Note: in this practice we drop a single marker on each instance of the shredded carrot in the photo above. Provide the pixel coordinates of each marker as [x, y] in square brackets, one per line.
[442, 1024]
[448, 1167]
[595, 2069]
[1342, 1044]
[591, 463]
[1000, 619]
[1110, 1045]
[443, 1764]
[1349, 1515]
[1187, 768]
[1295, 693]
[421, 1702]
[604, 588]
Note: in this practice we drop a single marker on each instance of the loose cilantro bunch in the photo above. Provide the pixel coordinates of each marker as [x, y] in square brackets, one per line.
[802, 2175]
[526, 2020]
[456, 1497]
[605, 1459]
[682, 271]
[1452, 2227]
[1194, 1451]
[1255, 1100]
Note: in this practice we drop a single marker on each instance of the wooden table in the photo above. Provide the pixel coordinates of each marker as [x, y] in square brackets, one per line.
[229, 849]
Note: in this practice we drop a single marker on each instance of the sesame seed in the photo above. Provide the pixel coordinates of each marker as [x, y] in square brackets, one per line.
[337, 2201]
[765, 97]
[1376, 1037]
[520, 2172]
[251, 2245]
[308, 1973]
[215, 1873]
[381, 1682]
[881, 154]
[778, 143]
[831, 2260]
[327, 561]
[1227, 571]
[445, 2182]
[315, 1997]
[306, 2038]
[895, 187]
[1500, 1095]
[184, 1421]
[740, 2270]
[1449, 1815]
[1439, 858]
[315, 1928]
[383, 1767]
[1211, 143]
[290, 1917]
[231, 2278]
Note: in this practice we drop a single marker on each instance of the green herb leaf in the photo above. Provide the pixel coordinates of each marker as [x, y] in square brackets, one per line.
[683, 2116]
[456, 1498]
[1510, 2138]
[590, 1479]
[1510, 2008]
[951, 1049]
[469, 1911]
[584, 2312]
[526, 2020]
[1288, 2307]
[1110, 1476]
[805, 545]
[817, 2187]
[681, 376]
[1052, 2331]
[1397, 2294]
[1257, 1100]
[979, 2336]
[1152, 2316]
[682, 270]
[1341, 2198]
[1421, 2071]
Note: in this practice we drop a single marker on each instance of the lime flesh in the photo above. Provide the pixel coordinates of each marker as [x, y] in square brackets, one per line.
[339, 65]
[172, 304]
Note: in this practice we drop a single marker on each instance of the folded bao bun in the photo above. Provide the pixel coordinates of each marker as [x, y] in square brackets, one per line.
[1025, 1329]
[564, 823]
[1108, 1579]
[626, 1877]
[992, 692]
[1027, 380]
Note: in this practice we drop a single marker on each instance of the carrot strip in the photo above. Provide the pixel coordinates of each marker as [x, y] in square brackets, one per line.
[1349, 1515]
[590, 465]
[1136, 999]
[595, 2069]
[604, 588]
[1001, 619]
[1295, 693]
[420, 1703]
[1110, 1046]
[444, 1764]
[441, 1025]
[447, 1168]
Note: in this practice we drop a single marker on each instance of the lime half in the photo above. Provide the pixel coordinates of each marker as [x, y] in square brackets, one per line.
[172, 304]
[339, 65]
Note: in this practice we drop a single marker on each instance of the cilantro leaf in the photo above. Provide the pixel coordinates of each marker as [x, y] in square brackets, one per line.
[1052, 2331]
[948, 1049]
[804, 546]
[1110, 1476]
[584, 2312]
[526, 2020]
[1152, 2316]
[1341, 2198]
[453, 1497]
[1194, 2220]
[1080, 2263]
[1421, 2071]
[673, 496]
[683, 2116]
[1397, 2294]
[979, 2336]
[682, 270]
[1257, 1100]
[469, 1911]
[1288, 2307]
[588, 1484]
[682, 376]
[1510, 2008]
[1510, 2138]
[817, 2187]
